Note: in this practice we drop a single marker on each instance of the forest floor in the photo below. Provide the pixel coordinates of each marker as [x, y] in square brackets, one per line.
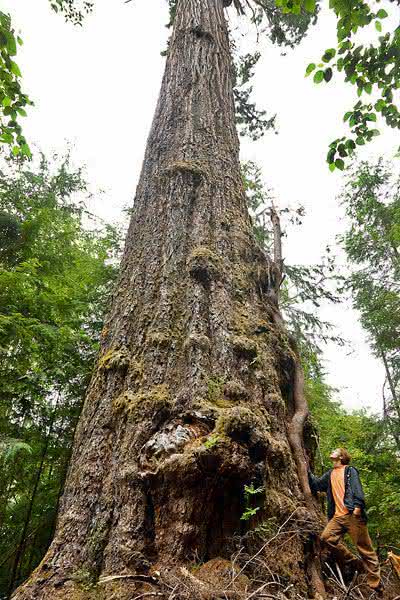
[221, 579]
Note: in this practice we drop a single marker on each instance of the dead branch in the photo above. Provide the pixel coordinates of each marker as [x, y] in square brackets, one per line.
[137, 577]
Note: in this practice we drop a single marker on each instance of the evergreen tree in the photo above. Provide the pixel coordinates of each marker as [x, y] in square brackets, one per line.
[372, 203]
[57, 265]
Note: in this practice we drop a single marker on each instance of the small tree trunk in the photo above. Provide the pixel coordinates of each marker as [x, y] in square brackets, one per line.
[21, 546]
[192, 390]
[392, 386]
[393, 427]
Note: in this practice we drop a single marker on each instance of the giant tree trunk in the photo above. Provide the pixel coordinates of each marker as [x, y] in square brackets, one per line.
[192, 390]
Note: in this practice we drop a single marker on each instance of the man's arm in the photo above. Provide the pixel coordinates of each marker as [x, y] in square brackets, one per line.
[318, 484]
[356, 487]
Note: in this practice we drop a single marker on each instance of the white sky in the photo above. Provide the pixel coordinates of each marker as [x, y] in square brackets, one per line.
[97, 86]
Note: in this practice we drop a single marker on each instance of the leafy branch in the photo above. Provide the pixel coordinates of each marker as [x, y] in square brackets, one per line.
[13, 100]
[373, 70]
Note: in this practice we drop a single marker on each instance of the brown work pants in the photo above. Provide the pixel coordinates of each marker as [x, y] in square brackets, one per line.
[358, 531]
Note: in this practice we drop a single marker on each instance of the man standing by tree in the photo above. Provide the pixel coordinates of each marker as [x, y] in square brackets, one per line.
[346, 513]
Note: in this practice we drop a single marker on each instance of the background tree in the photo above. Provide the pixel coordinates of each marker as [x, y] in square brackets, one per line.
[57, 264]
[304, 287]
[372, 202]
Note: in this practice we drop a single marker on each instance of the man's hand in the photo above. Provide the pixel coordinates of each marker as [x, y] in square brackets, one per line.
[357, 510]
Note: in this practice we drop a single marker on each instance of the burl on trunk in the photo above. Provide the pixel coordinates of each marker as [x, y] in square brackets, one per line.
[193, 387]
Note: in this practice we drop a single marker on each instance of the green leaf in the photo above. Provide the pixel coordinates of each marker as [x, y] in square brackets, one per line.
[6, 101]
[329, 54]
[16, 150]
[22, 112]
[380, 104]
[339, 163]
[332, 167]
[328, 74]
[360, 141]
[378, 25]
[318, 77]
[249, 512]
[381, 14]
[310, 69]
[26, 151]
[347, 115]
[309, 5]
[7, 138]
[11, 45]
[250, 489]
[331, 156]
[15, 69]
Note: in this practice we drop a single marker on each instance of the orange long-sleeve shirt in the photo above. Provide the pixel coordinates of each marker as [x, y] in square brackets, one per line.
[337, 485]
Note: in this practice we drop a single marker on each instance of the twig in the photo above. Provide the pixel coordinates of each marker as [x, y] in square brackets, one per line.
[148, 594]
[172, 593]
[351, 586]
[261, 588]
[262, 547]
[147, 578]
[340, 576]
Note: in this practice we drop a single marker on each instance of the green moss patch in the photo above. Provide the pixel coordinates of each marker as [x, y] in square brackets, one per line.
[115, 358]
[244, 346]
[242, 423]
[143, 402]
[203, 264]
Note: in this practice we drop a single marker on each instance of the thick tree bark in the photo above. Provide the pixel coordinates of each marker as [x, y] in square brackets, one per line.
[188, 355]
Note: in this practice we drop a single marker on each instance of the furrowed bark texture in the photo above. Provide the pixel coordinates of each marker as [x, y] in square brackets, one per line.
[192, 389]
